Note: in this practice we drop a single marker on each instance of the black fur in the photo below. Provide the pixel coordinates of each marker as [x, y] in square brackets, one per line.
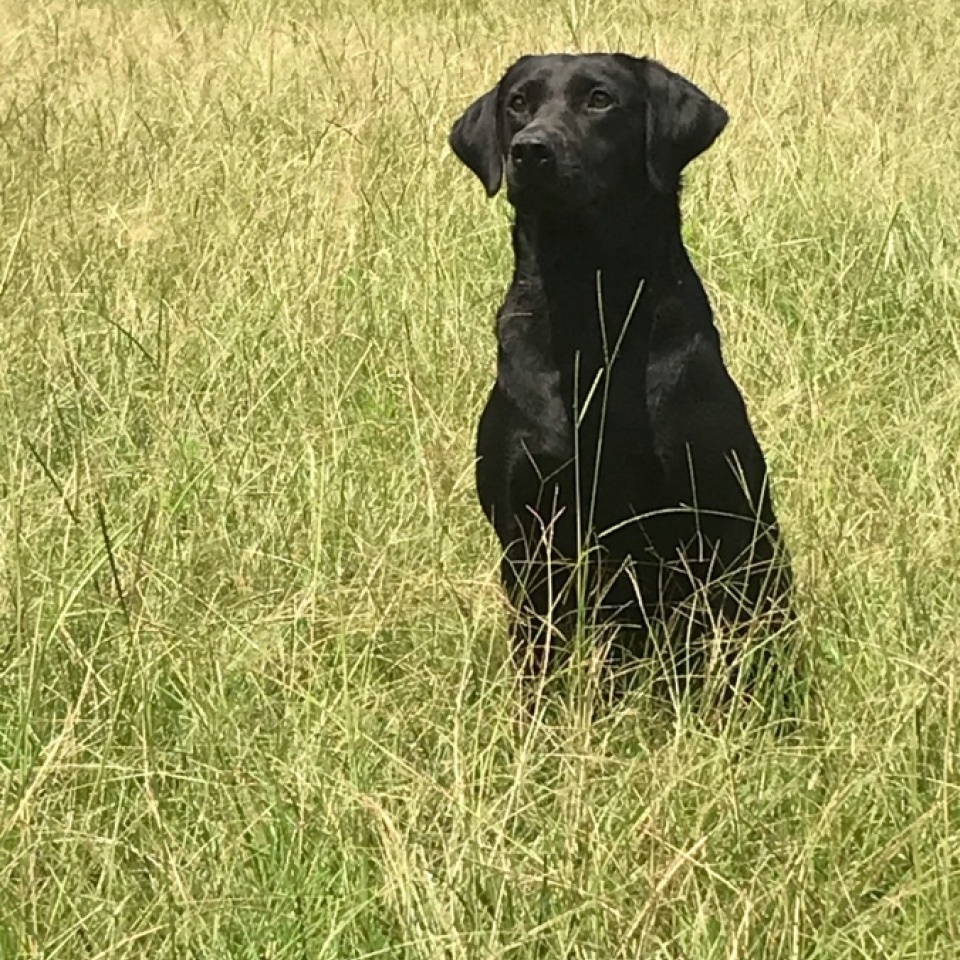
[614, 433]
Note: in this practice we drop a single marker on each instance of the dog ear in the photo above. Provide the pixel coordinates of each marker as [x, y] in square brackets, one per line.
[475, 139]
[682, 121]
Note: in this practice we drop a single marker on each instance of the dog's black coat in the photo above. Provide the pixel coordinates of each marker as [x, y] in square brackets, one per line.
[614, 432]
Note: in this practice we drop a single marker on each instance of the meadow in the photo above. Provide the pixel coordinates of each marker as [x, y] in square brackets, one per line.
[255, 691]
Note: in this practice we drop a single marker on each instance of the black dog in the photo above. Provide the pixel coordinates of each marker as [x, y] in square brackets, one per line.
[616, 460]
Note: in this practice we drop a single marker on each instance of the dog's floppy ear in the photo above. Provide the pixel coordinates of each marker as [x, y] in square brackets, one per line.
[682, 121]
[475, 139]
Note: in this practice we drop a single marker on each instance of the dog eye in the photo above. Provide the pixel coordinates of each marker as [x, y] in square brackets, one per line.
[517, 103]
[600, 100]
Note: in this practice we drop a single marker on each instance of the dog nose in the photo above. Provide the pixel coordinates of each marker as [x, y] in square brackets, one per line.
[531, 153]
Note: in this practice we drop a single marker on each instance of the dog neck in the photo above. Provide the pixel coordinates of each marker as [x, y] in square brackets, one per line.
[599, 286]
[642, 230]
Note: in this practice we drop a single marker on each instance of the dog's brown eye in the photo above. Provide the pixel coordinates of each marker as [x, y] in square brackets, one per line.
[599, 100]
[518, 103]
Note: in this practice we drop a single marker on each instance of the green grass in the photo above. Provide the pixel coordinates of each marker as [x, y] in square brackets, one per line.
[255, 693]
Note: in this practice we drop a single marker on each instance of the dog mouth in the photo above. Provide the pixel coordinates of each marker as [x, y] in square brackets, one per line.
[546, 189]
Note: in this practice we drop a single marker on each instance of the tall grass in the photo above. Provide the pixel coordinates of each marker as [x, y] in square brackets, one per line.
[255, 693]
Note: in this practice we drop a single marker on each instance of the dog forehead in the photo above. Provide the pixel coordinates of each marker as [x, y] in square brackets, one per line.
[559, 73]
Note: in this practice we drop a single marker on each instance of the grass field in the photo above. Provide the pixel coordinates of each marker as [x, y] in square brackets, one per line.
[255, 697]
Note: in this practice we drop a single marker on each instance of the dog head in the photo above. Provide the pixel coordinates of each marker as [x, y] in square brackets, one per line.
[574, 134]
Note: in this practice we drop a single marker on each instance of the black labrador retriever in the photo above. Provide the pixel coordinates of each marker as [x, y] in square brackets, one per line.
[616, 460]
